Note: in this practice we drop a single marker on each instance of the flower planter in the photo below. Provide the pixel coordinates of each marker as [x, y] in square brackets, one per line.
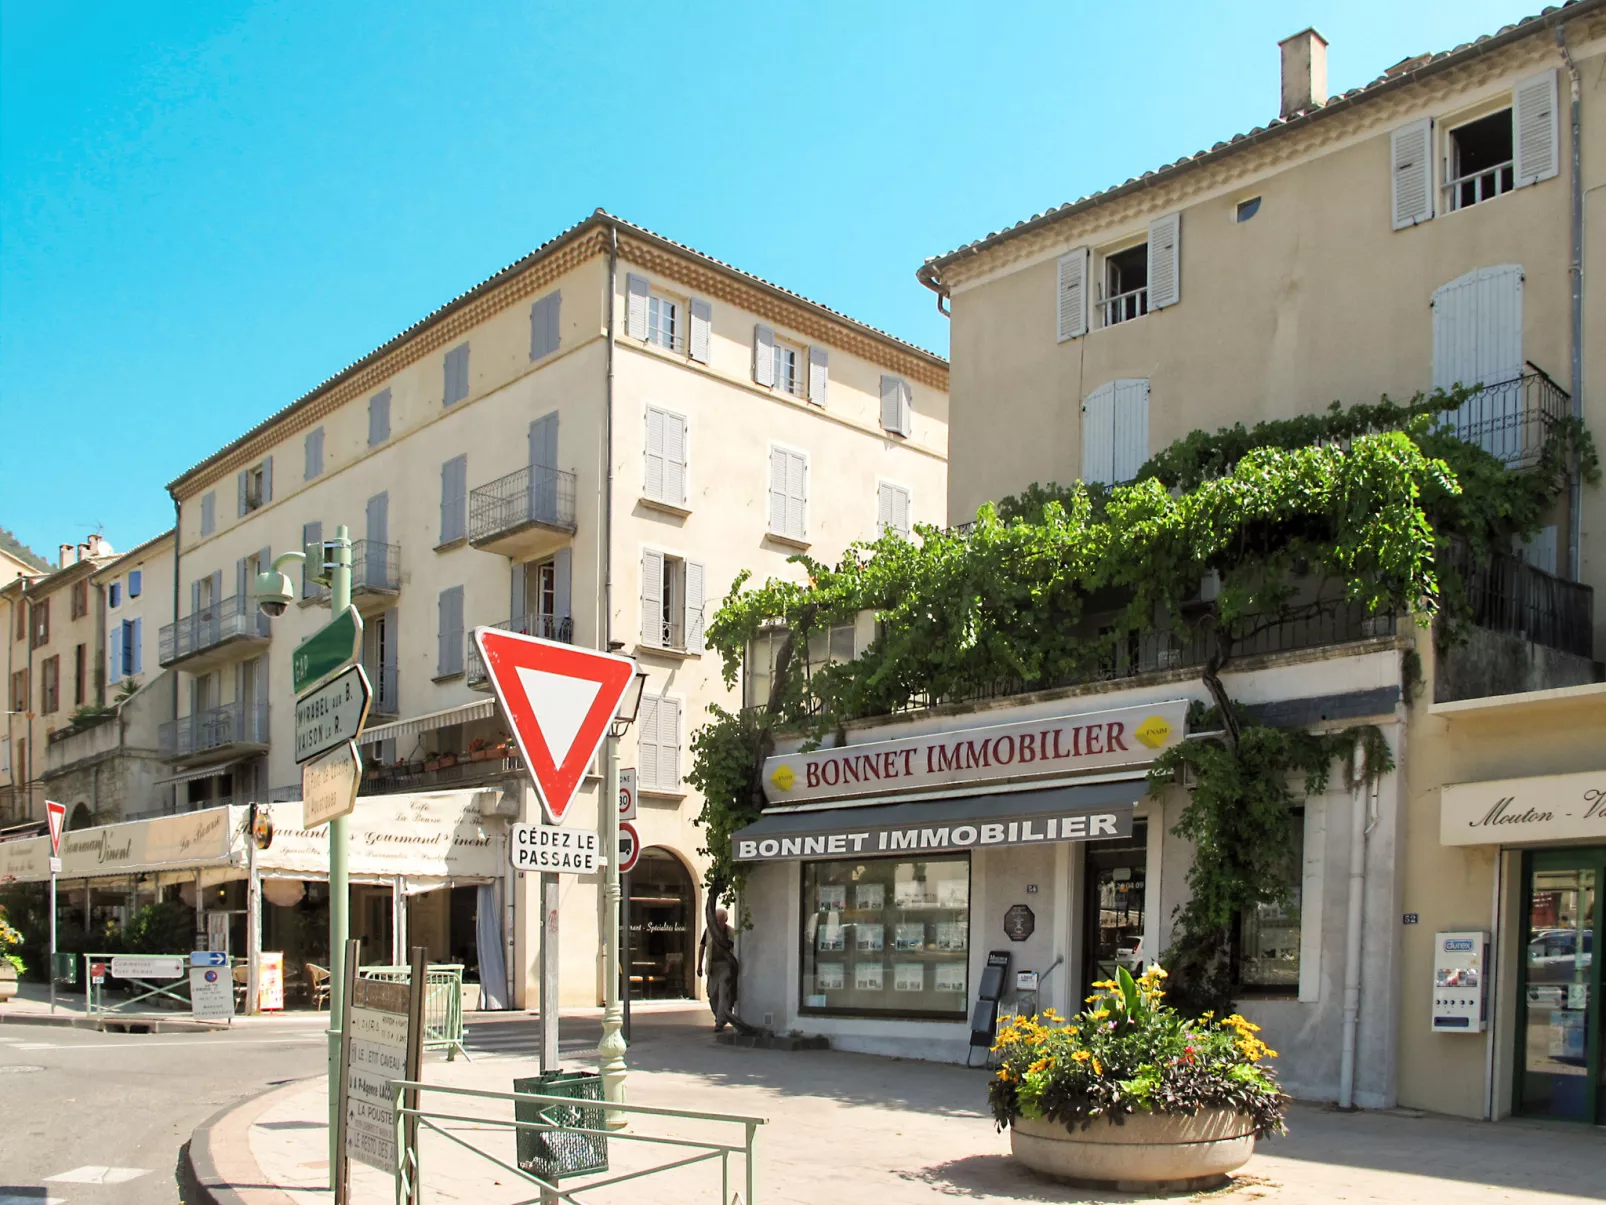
[8, 980]
[1149, 1151]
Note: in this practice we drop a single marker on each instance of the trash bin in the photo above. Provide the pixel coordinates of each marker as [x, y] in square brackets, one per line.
[552, 1154]
[64, 968]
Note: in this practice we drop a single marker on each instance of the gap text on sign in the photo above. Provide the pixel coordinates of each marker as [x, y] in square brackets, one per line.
[545, 847]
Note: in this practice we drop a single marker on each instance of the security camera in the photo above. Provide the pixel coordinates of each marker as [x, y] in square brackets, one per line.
[274, 593]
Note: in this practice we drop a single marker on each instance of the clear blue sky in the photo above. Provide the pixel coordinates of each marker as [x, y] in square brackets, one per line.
[207, 208]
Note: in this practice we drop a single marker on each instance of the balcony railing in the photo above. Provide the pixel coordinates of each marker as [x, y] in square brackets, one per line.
[1511, 420]
[233, 618]
[549, 627]
[387, 696]
[215, 728]
[375, 569]
[391, 780]
[1506, 594]
[1479, 186]
[1124, 307]
[532, 495]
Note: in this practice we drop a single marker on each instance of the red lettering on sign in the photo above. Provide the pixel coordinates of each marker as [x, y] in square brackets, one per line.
[1001, 757]
[813, 774]
[1095, 738]
[1028, 748]
[1113, 732]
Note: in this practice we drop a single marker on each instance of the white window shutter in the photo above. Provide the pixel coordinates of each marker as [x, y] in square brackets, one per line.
[763, 355]
[652, 597]
[654, 484]
[696, 587]
[647, 741]
[1072, 294]
[900, 509]
[702, 329]
[636, 306]
[819, 374]
[1411, 169]
[906, 395]
[891, 403]
[1130, 437]
[778, 458]
[669, 743]
[883, 508]
[1165, 261]
[1098, 435]
[797, 495]
[1535, 132]
[675, 468]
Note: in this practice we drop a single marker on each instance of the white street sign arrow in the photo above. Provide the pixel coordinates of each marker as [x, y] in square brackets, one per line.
[331, 715]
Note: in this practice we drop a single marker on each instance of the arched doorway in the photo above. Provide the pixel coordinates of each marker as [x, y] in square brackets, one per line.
[663, 927]
[81, 817]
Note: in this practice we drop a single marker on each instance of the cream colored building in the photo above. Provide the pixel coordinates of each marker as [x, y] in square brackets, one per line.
[1441, 225]
[589, 446]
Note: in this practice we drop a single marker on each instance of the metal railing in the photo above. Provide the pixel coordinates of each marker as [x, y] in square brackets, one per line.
[1123, 307]
[375, 566]
[1506, 594]
[667, 1150]
[1511, 419]
[230, 724]
[533, 494]
[466, 772]
[382, 679]
[443, 1002]
[1483, 185]
[233, 617]
[176, 989]
[549, 627]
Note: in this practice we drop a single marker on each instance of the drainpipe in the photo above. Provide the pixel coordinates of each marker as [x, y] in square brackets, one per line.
[1576, 273]
[178, 515]
[607, 477]
[1352, 934]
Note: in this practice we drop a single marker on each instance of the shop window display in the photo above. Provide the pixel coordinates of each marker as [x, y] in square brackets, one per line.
[887, 937]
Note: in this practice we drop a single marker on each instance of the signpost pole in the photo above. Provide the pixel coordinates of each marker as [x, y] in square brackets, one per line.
[611, 1050]
[52, 934]
[56, 820]
[548, 888]
[339, 879]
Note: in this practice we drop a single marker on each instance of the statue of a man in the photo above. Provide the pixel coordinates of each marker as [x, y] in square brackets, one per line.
[718, 950]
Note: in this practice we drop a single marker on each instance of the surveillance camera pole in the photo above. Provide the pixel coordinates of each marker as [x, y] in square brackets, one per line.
[338, 570]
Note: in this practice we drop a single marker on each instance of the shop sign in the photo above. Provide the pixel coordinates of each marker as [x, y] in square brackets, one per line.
[27, 860]
[161, 843]
[844, 840]
[440, 834]
[1513, 811]
[1043, 748]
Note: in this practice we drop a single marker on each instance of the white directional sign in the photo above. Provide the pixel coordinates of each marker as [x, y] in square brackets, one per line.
[147, 966]
[329, 785]
[627, 793]
[331, 715]
[546, 847]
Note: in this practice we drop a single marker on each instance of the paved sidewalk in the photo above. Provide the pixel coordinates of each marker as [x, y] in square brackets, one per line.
[847, 1129]
[31, 1006]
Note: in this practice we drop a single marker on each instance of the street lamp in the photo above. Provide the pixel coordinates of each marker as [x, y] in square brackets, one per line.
[611, 1050]
[274, 594]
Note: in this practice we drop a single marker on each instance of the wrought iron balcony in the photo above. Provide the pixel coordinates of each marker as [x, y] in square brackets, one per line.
[550, 627]
[216, 732]
[1511, 420]
[528, 513]
[466, 772]
[224, 631]
[1506, 594]
[375, 577]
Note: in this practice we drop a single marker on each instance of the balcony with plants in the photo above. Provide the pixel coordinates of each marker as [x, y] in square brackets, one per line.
[549, 627]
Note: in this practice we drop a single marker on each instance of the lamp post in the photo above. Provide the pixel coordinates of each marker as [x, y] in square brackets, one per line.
[274, 594]
[611, 1050]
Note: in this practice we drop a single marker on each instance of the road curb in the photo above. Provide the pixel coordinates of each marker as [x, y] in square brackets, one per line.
[202, 1182]
[128, 1024]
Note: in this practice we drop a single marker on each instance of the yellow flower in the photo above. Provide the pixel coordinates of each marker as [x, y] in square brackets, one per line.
[1100, 1014]
[1075, 1029]
[1081, 1056]
[1097, 1070]
[1039, 1065]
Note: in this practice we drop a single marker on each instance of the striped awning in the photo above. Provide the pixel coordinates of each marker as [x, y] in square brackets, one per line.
[397, 730]
[216, 771]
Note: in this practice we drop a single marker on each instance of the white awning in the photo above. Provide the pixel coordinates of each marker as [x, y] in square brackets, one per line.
[484, 709]
[217, 771]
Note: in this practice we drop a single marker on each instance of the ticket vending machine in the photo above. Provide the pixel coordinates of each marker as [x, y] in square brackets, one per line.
[1460, 982]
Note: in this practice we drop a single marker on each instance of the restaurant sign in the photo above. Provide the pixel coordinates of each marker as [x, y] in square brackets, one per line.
[1018, 752]
[191, 839]
[1513, 811]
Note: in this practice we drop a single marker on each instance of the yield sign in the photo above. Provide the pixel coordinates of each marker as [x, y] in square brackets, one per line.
[56, 814]
[559, 700]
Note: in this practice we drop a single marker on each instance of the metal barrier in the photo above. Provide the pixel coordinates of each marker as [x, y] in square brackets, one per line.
[413, 1118]
[95, 988]
[443, 1003]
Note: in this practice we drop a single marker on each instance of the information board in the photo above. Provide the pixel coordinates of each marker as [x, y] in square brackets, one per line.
[377, 1037]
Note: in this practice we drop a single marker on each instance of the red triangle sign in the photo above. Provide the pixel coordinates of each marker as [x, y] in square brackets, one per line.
[56, 814]
[559, 700]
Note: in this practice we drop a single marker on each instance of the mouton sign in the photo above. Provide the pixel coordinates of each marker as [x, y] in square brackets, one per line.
[1017, 752]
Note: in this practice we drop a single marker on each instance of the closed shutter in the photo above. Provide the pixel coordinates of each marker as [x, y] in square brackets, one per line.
[1098, 435]
[114, 671]
[562, 585]
[239, 481]
[1411, 157]
[669, 744]
[1072, 294]
[883, 509]
[208, 513]
[242, 586]
[449, 659]
[891, 403]
[267, 481]
[454, 502]
[653, 484]
[379, 522]
[1477, 340]
[544, 316]
[647, 741]
[314, 453]
[778, 459]
[763, 355]
[518, 603]
[544, 467]
[819, 374]
[702, 329]
[456, 388]
[389, 629]
[312, 545]
[652, 597]
[379, 418]
[1535, 132]
[217, 591]
[138, 635]
[1130, 437]
[675, 467]
[1165, 261]
[636, 288]
[696, 576]
[797, 495]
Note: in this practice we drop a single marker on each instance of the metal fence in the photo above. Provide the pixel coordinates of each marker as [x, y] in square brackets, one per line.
[533, 494]
[657, 1143]
[1506, 594]
[234, 617]
[443, 1002]
[214, 728]
[176, 990]
[375, 566]
[1511, 419]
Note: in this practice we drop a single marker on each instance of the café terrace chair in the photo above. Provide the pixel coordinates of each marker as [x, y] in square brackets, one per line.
[318, 985]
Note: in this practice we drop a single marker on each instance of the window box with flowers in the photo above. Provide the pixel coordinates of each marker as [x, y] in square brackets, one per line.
[1129, 1093]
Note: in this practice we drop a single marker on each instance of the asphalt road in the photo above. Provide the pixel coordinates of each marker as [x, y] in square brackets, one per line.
[109, 1112]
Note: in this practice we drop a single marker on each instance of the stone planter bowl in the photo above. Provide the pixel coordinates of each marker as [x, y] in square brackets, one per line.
[1151, 1151]
[8, 981]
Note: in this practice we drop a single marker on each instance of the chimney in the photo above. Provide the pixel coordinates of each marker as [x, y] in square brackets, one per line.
[66, 556]
[1304, 72]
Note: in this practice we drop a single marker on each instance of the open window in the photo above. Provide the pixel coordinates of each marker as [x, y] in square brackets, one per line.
[671, 601]
[1481, 162]
[1125, 292]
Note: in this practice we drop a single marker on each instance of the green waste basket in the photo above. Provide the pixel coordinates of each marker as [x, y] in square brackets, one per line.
[64, 968]
[552, 1154]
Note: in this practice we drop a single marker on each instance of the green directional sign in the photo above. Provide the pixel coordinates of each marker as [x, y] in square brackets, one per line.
[331, 648]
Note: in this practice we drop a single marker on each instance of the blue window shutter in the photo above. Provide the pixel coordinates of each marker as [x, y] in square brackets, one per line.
[115, 669]
[267, 480]
[518, 605]
[240, 482]
[454, 500]
[136, 582]
[139, 645]
[378, 517]
[702, 326]
[314, 465]
[456, 374]
[379, 418]
[312, 545]
[563, 583]
[114, 595]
